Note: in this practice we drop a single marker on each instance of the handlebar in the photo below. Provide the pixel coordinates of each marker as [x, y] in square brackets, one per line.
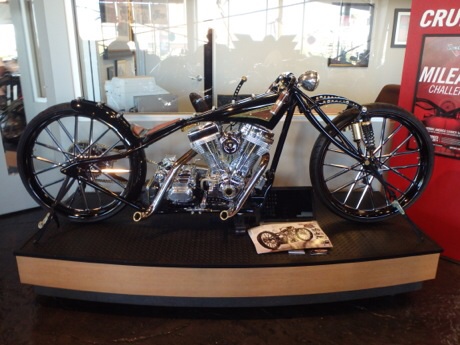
[287, 79]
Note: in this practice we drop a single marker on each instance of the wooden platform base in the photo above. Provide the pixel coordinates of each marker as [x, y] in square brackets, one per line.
[226, 287]
[198, 261]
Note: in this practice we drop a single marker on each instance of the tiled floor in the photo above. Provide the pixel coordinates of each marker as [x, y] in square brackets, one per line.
[428, 316]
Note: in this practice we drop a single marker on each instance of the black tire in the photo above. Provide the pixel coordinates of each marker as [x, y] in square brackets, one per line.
[268, 240]
[60, 135]
[404, 155]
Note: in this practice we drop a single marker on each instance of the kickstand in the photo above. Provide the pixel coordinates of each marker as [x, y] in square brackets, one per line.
[51, 214]
[395, 203]
[43, 224]
[414, 227]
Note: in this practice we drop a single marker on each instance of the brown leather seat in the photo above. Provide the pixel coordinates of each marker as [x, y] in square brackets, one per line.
[389, 94]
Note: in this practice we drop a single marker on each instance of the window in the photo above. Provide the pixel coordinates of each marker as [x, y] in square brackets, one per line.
[150, 54]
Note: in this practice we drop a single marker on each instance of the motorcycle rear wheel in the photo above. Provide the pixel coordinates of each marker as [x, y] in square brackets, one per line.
[404, 155]
[59, 136]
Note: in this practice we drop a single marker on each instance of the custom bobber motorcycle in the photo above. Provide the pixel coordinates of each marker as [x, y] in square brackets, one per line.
[85, 161]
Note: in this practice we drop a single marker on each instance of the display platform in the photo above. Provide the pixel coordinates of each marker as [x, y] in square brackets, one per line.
[198, 260]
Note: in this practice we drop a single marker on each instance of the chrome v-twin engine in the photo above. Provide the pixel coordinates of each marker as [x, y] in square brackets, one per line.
[236, 157]
[230, 155]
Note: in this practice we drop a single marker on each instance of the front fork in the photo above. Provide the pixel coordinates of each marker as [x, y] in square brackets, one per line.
[364, 132]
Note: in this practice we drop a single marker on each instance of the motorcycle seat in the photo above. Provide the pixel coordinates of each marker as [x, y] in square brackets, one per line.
[142, 132]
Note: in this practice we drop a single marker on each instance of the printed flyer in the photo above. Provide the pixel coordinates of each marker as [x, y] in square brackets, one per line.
[275, 237]
[436, 101]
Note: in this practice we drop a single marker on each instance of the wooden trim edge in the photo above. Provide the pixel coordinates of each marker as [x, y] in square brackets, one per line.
[225, 282]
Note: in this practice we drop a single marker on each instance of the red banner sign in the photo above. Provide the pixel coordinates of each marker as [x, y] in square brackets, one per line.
[430, 88]
[436, 100]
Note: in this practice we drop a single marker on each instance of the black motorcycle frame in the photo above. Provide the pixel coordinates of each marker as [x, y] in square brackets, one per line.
[359, 173]
[276, 100]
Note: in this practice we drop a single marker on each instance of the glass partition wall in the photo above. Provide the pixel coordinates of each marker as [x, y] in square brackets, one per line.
[147, 56]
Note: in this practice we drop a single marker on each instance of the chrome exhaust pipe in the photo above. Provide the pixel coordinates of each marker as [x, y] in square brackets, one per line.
[139, 215]
[226, 214]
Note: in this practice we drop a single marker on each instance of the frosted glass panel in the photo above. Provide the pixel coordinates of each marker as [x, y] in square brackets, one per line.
[155, 49]
[145, 54]
[261, 39]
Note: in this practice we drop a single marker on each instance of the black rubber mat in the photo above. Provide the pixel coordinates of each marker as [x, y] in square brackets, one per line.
[184, 240]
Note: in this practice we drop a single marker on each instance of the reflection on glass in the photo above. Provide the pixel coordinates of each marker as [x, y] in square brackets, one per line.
[12, 115]
[145, 59]
[352, 42]
[150, 54]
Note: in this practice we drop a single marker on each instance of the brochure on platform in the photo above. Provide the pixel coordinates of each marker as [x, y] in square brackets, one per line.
[275, 237]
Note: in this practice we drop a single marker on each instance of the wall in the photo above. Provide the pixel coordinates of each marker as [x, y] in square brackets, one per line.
[385, 65]
[387, 61]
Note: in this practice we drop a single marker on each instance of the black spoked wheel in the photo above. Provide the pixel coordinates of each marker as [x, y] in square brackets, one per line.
[59, 136]
[403, 157]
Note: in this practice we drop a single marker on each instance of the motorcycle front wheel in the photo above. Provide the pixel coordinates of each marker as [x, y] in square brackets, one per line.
[59, 136]
[403, 156]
